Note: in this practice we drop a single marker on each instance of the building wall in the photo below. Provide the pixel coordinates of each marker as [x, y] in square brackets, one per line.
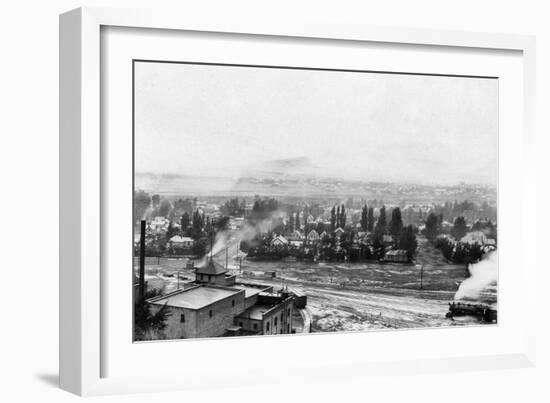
[199, 323]
[249, 324]
[220, 279]
[223, 313]
[278, 320]
[248, 302]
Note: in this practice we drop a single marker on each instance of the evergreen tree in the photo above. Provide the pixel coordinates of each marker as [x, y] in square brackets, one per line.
[459, 228]
[146, 322]
[396, 223]
[407, 241]
[364, 218]
[379, 231]
[290, 224]
[184, 222]
[333, 219]
[342, 217]
[198, 222]
[381, 222]
[433, 226]
[370, 219]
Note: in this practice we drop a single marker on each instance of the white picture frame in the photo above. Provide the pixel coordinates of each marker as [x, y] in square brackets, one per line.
[82, 188]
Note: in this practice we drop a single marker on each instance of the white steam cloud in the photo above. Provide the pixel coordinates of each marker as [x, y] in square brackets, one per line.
[483, 275]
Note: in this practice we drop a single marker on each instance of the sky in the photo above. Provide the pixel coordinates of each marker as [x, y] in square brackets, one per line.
[220, 120]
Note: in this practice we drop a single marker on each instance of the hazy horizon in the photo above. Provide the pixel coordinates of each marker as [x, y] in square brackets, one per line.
[226, 121]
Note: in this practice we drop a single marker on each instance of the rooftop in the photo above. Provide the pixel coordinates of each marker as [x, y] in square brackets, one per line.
[256, 312]
[212, 267]
[251, 289]
[178, 238]
[195, 298]
[266, 302]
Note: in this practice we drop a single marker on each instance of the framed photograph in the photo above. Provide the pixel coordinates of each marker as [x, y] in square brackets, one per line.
[321, 195]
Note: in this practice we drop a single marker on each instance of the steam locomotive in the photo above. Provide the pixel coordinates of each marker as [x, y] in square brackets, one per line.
[481, 311]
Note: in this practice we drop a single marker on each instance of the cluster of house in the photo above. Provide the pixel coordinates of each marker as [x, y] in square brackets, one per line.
[308, 243]
[181, 242]
[158, 227]
[480, 238]
[216, 304]
[297, 239]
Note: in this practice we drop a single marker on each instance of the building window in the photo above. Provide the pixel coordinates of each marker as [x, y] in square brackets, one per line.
[233, 303]
[209, 278]
[275, 321]
[182, 318]
[255, 326]
[210, 313]
[288, 311]
[267, 327]
[240, 324]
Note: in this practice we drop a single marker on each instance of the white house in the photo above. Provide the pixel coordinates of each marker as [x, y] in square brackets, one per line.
[475, 237]
[338, 232]
[295, 236]
[181, 242]
[279, 240]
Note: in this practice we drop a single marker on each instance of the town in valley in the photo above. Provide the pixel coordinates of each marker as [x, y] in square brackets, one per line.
[240, 265]
[272, 200]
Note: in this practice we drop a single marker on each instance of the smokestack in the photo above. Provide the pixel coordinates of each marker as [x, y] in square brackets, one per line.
[142, 261]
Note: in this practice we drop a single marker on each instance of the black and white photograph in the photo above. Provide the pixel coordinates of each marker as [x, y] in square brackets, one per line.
[276, 200]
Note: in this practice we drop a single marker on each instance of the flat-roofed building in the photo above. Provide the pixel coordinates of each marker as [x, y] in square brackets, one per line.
[252, 291]
[215, 305]
[272, 314]
[200, 311]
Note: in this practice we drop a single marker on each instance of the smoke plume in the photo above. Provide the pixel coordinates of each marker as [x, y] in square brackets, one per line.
[483, 275]
[226, 239]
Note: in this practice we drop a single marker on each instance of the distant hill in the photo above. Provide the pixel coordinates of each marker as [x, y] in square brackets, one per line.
[300, 167]
[299, 177]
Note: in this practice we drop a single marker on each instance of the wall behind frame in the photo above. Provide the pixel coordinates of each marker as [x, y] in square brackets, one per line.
[29, 166]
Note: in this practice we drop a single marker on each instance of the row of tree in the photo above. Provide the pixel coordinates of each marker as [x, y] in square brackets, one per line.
[338, 217]
[464, 208]
[459, 252]
[453, 249]
[402, 237]
[367, 218]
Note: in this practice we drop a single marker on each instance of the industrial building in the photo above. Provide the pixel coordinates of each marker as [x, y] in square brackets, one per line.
[216, 304]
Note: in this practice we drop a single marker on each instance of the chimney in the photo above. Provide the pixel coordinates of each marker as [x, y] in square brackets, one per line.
[142, 261]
